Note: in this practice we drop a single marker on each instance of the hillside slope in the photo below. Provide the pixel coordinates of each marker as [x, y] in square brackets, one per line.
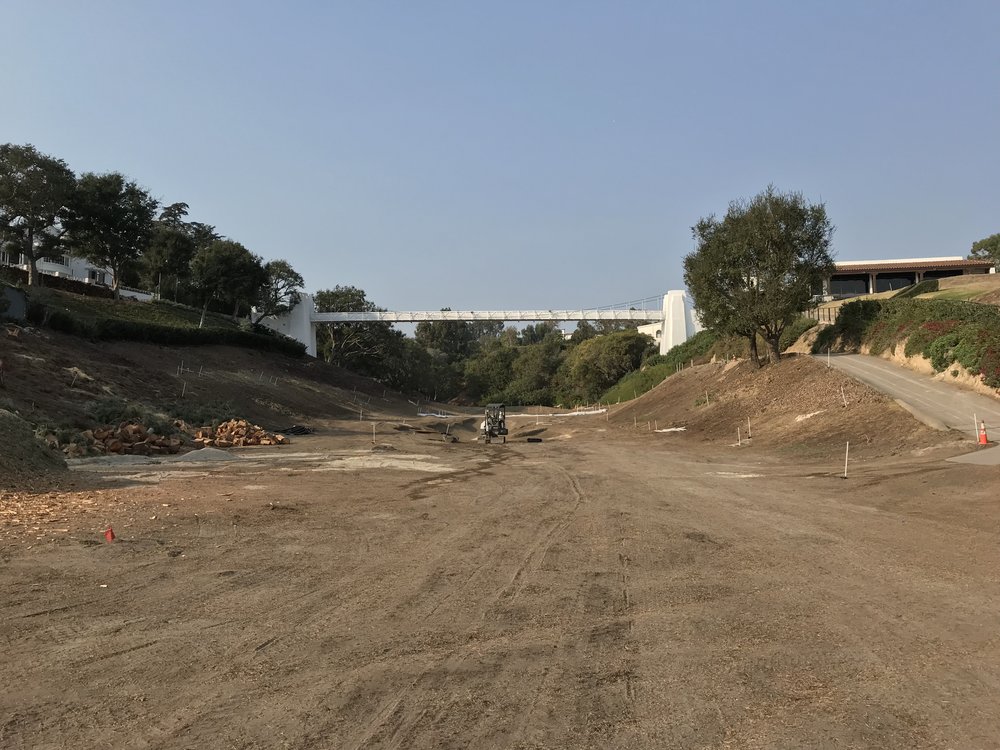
[795, 407]
[63, 384]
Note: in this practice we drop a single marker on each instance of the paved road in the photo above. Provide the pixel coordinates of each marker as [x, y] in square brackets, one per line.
[950, 404]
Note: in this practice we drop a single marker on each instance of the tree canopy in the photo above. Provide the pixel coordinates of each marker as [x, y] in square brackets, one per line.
[280, 291]
[35, 193]
[756, 269]
[362, 347]
[987, 248]
[227, 271]
[110, 221]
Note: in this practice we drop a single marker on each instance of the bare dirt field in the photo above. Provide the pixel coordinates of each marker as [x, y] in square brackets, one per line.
[605, 588]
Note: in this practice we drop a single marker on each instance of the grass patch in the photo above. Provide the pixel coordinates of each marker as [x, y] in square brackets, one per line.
[924, 287]
[158, 322]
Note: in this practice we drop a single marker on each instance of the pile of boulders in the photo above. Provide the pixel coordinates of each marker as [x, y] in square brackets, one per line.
[237, 433]
[129, 438]
[134, 439]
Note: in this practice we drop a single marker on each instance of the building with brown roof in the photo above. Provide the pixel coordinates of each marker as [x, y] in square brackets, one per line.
[855, 277]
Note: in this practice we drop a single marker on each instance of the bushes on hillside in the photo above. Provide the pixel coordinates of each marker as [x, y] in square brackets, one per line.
[792, 333]
[659, 366]
[112, 329]
[943, 331]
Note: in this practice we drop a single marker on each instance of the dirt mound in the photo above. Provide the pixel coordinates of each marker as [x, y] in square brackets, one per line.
[69, 388]
[55, 379]
[798, 406]
[23, 456]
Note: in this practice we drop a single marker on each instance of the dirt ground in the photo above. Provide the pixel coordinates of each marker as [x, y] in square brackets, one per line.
[610, 586]
[605, 588]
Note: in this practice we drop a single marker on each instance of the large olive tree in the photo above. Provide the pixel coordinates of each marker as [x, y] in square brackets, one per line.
[756, 269]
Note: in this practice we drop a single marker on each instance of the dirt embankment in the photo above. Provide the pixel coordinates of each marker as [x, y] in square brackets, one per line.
[798, 406]
[22, 457]
[62, 385]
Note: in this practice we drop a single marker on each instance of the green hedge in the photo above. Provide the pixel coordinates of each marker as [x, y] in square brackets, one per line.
[111, 329]
[944, 331]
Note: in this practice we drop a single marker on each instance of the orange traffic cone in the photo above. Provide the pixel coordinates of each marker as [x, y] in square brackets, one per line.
[109, 534]
[983, 439]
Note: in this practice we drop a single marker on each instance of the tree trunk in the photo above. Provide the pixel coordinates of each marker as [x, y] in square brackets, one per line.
[752, 343]
[29, 253]
[236, 310]
[33, 279]
[774, 348]
[204, 310]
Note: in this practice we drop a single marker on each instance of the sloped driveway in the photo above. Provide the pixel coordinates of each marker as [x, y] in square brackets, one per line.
[948, 404]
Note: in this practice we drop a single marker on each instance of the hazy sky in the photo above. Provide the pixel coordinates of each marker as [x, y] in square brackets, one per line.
[519, 154]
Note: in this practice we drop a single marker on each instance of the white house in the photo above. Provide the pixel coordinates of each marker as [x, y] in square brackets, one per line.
[72, 267]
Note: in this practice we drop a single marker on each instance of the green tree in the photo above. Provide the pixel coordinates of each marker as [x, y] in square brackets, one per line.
[987, 249]
[366, 348]
[490, 371]
[173, 215]
[611, 326]
[768, 254]
[584, 330]
[35, 193]
[486, 330]
[717, 283]
[598, 363]
[534, 334]
[406, 366]
[110, 221]
[167, 258]
[280, 292]
[455, 339]
[226, 271]
[534, 370]
[166, 264]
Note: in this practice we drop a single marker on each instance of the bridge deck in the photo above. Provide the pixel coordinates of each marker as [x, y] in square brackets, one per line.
[505, 315]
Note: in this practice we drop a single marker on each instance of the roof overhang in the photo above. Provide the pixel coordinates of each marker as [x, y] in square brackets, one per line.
[912, 264]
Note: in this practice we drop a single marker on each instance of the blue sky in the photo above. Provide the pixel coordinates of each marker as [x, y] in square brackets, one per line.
[519, 154]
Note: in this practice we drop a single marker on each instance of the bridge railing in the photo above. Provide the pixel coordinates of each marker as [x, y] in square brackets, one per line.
[496, 315]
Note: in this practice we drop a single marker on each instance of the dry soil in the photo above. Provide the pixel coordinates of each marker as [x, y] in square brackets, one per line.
[609, 587]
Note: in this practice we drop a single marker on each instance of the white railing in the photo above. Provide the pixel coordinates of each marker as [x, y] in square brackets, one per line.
[502, 315]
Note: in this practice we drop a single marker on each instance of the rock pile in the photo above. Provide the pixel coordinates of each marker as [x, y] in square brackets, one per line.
[129, 438]
[237, 433]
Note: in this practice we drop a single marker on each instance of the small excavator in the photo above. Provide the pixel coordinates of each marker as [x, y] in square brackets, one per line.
[495, 423]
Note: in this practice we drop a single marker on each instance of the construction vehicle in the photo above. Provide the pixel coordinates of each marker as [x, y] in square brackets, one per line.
[495, 423]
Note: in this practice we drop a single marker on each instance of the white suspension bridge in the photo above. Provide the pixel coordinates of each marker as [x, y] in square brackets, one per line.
[671, 317]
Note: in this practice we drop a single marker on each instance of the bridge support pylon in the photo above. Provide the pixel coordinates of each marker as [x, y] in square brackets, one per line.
[680, 322]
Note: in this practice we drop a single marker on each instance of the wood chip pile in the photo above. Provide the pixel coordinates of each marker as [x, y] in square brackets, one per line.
[236, 433]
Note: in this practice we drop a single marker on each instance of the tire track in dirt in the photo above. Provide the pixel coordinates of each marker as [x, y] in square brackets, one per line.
[539, 548]
[391, 726]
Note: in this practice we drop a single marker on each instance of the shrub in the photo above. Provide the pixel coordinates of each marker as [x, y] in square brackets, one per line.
[112, 411]
[198, 414]
[942, 330]
[659, 366]
[792, 333]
